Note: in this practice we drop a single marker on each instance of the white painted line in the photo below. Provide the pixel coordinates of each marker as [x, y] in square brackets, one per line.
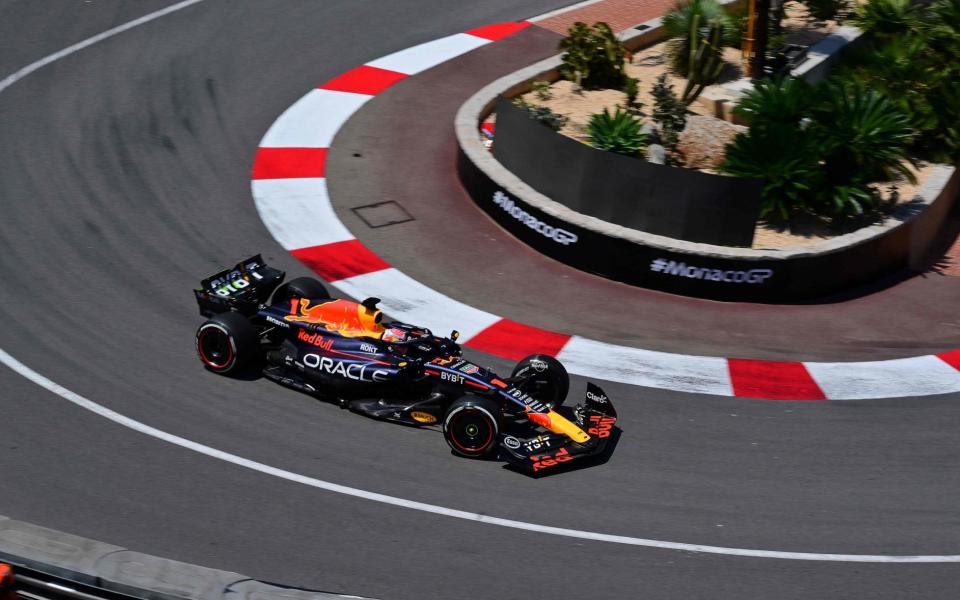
[106, 413]
[560, 11]
[409, 300]
[635, 366]
[915, 376]
[313, 121]
[17, 76]
[286, 205]
[420, 58]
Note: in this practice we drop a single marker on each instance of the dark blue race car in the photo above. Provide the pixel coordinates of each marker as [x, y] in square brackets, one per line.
[342, 351]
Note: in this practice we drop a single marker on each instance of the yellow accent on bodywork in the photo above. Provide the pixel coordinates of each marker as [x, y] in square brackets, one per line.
[560, 424]
[422, 417]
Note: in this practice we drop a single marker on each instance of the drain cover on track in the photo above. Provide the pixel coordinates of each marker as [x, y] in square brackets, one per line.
[382, 214]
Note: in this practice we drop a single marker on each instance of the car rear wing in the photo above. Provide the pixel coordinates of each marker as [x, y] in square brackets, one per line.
[241, 288]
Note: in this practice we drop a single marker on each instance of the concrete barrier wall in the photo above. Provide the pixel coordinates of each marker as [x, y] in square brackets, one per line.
[633, 192]
[703, 270]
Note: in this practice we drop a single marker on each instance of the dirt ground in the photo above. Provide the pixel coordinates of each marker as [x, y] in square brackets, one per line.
[705, 136]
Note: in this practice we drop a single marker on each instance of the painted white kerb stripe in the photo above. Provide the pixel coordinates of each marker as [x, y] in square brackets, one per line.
[106, 413]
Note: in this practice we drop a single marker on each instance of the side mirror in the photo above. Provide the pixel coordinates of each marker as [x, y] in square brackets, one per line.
[454, 335]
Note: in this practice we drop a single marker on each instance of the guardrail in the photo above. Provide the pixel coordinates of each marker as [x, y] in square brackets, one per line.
[61, 566]
[31, 584]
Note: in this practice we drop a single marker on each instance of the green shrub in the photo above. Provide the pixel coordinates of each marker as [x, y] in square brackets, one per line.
[542, 114]
[541, 88]
[631, 88]
[593, 57]
[619, 132]
[671, 116]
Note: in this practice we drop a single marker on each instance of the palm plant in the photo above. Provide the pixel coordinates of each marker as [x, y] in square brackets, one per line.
[901, 71]
[778, 101]
[619, 132]
[942, 33]
[785, 159]
[887, 17]
[863, 138]
[777, 149]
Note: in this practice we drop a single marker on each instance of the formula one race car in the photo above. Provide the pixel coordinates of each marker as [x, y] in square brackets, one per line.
[341, 351]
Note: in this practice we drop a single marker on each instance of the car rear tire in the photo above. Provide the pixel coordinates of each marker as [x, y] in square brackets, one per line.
[544, 378]
[227, 343]
[301, 287]
[472, 426]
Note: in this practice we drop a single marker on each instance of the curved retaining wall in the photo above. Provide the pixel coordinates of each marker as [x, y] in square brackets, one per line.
[678, 203]
[695, 269]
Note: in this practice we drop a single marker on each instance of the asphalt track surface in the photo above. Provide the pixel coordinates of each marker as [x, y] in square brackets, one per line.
[124, 179]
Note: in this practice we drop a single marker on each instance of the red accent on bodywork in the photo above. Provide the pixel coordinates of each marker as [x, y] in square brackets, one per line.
[541, 419]
[773, 380]
[288, 163]
[513, 340]
[363, 80]
[340, 260]
[547, 460]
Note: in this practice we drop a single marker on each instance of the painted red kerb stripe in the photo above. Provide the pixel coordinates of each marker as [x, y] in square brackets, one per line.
[286, 163]
[340, 260]
[363, 80]
[513, 340]
[951, 357]
[499, 30]
[773, 380]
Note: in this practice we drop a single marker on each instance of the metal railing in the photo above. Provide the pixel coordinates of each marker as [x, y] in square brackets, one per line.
[30, 584]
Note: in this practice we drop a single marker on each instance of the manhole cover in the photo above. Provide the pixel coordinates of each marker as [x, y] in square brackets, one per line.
[382, 214]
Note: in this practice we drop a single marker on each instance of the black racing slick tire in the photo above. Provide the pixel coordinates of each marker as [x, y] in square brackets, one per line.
[301, 287]
[472, 426]
[543, 377]
[227, 343]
